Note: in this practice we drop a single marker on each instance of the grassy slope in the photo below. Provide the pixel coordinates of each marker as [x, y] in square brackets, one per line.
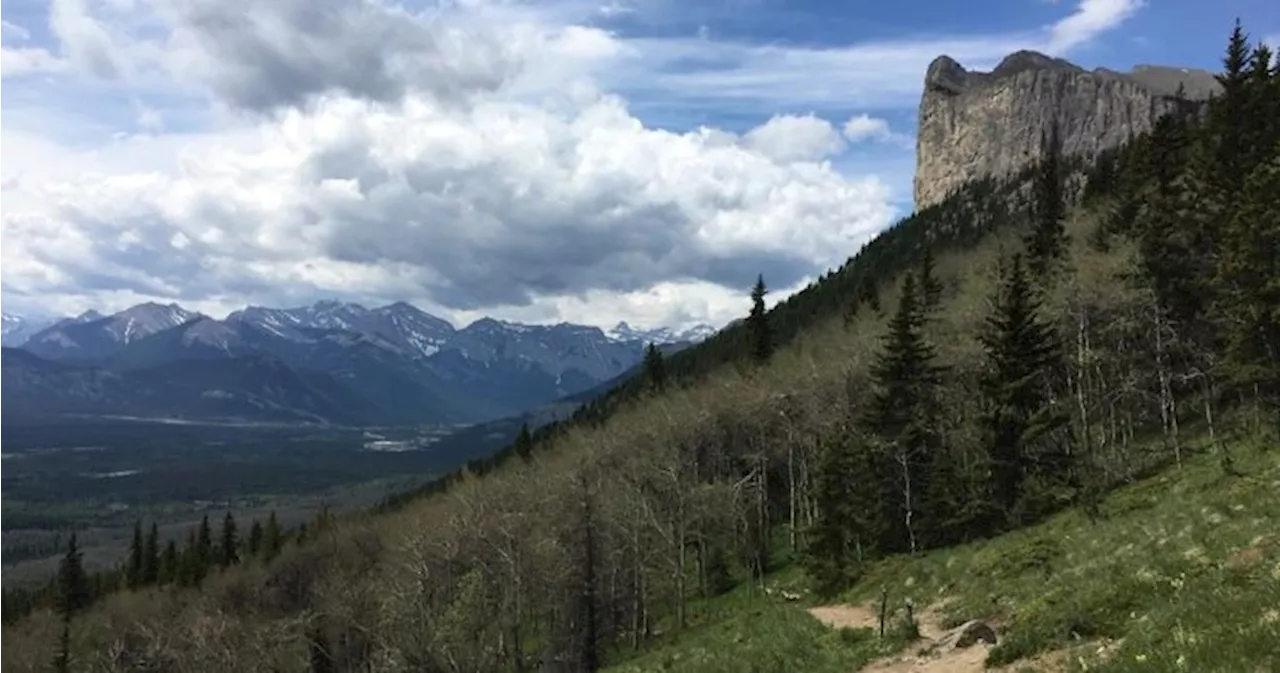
[1183, 571]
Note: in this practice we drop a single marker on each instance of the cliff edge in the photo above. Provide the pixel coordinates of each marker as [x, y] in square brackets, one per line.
[978, 124]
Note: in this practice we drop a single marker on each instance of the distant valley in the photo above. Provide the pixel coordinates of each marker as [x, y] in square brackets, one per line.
[330, 363]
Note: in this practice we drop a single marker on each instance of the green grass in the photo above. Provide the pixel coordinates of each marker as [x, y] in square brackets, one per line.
[1182, 573]
[746, 631]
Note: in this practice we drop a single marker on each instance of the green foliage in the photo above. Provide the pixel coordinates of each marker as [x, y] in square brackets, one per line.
[762, 343]
[1046, 242]
[655, 369]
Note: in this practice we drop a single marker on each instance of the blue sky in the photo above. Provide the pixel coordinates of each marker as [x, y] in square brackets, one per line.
[562, 160]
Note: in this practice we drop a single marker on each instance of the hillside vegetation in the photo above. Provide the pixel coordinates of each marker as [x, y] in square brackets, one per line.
[983, 367]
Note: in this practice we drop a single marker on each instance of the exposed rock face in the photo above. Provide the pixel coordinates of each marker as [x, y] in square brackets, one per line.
[974, 124]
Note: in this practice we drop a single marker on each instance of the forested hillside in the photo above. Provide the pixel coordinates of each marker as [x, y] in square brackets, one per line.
[1019, 349]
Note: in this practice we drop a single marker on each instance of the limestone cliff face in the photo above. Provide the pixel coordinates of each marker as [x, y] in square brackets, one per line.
[975, 124]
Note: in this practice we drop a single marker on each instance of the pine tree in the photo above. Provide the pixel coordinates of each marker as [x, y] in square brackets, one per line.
[1018, 415]
[844, 531]
[228, 549]
[255, 539]
[73, 595]
[758, 324]
[655, 369]
[133, 571]
[203, 549]
[902, 419]
[272, 538]
[1046, 243]
[170, 564]
[930, 286]
[524, 442]
[151, 556]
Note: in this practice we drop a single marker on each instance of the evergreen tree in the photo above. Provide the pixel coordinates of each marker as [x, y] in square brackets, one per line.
[1046, 243]
[133, 571]
[1249, 274]
[228, 550]
[1018, 415]
[758, 324]
[655, 370]
[170, 564]
[255, 539]
[73, 595]
[524, 442]
[272, 538]
[151, 556]
[930, 286]
[844, 531]
[902, 419]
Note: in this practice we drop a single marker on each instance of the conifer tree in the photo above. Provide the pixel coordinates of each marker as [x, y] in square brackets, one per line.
[902, 419]
[228, 549]
[170, 564]
[151, 556]
[255, 539]
[758, 324]
[1046, 243]
[272, 538]
[1018, 415]
[930, 286]
[655, 368]
[844, 531]
[73, 595]
[133, 571]
[524, 442]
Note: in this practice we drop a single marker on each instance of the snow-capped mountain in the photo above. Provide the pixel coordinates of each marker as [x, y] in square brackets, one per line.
[661, 335]
[90, 336]
[400, 324]
[396, 363]
[17, 329]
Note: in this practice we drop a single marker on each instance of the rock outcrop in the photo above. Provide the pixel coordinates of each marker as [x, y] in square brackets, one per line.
[974, 124]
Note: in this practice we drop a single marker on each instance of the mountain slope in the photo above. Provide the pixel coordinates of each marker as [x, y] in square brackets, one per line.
[91, 339]
[244, 388]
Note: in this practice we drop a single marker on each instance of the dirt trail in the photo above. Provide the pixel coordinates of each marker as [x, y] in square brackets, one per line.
[915, 658]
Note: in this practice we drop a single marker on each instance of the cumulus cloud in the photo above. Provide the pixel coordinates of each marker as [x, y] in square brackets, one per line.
[476, 159]
[1091, 18]
[795, 138]
[865, 127]
[500, 204]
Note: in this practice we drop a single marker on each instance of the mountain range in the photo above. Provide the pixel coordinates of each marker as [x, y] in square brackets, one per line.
[330, 362]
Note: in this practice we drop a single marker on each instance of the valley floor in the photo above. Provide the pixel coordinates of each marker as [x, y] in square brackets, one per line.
[1181, 572]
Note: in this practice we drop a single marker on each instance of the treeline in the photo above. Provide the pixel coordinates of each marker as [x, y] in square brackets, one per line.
[151, 564]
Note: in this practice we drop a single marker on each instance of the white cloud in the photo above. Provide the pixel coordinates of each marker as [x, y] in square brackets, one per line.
[1091, 18]
[865, 127]
[470, 160]
[795, 138]
[14, 31]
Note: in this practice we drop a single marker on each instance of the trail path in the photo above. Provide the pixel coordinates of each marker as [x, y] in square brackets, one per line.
[917, 658]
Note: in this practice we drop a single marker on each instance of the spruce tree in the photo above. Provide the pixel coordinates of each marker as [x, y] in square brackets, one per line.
[255, 539]
[930, 286]
[845, 531]
[203, 552]
[1018, 414]
[151, 556]
[758, 324]
[272, 538]
[73, 595]
[133, 571]
[228, 549]
[170, 564]
[1046, 242]
[902, 418]
[524, 442]
[655, 369]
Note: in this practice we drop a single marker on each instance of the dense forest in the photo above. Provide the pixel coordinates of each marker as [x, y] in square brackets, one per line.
[1018, 349]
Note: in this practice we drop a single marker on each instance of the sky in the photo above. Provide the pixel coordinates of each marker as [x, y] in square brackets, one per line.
[559, 160]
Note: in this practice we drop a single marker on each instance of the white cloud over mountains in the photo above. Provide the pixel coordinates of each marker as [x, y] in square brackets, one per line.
[472, 158]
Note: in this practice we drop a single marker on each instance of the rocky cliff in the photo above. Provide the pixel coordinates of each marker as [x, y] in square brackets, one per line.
[975, 124]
